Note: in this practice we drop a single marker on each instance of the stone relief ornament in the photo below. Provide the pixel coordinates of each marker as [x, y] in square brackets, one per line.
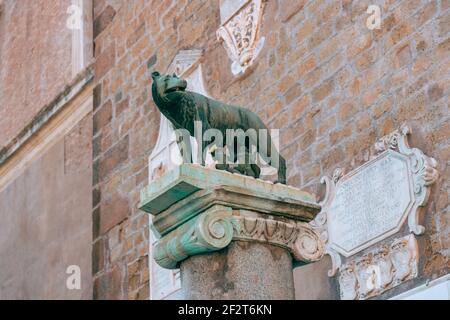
[210, 231]
[241, 21]
[404, 256]
[185, 63]
[373, 201]
[384, 264]
[218, 226]
[365, 275]
[423, 170]
[299, 238]
[379, 270]
[348, 283]
[308, 245]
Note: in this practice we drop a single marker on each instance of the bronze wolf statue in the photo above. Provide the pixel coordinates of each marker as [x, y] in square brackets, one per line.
[182, 108]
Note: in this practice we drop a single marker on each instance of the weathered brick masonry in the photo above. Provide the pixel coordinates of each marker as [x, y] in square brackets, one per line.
[35, 60]
[45, 152]
[328, 82]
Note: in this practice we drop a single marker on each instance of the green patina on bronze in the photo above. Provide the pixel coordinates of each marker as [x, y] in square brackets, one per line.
[182, 108]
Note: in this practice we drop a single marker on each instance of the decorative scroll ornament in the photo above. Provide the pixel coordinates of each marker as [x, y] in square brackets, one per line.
[411, 171]
[320, 222]
[215, 228]
[423, 171]
[379, 270]
[308, 245]
[298, 238]
[240, 32]
[210, 231]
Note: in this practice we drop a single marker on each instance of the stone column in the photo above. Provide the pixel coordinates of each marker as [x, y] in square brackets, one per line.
[234, 237]
[243, 270]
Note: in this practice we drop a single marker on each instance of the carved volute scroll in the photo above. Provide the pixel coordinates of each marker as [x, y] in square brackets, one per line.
[217, 227]
[210, 231]
[239, 31]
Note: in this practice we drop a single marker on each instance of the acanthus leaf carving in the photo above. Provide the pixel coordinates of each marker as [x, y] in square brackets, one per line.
[185, 61]
[299, 238]
[240, 35]
[365, 275]
[383, 262]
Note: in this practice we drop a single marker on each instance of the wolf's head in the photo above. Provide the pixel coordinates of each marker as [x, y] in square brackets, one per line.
[167, 88]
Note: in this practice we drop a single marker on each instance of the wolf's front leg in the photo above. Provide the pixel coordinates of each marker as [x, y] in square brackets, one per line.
[184, 145]
[281, 171]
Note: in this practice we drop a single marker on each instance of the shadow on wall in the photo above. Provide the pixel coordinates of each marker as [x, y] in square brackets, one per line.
[312, 281]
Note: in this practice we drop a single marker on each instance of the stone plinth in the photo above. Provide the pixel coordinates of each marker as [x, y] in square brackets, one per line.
[233, 236]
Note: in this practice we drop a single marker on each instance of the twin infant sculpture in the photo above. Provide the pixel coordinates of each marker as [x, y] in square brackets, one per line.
[184, 108]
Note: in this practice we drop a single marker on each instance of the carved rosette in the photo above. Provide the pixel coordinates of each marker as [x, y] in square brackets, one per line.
[240, 35]
[423, 173]
[379, 270]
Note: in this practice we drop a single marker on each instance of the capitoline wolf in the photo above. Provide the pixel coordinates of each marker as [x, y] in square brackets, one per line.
[184, 109]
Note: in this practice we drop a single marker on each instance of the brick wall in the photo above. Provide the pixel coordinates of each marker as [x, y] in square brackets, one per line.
[45, 154]
[331, 85]
[35, 60]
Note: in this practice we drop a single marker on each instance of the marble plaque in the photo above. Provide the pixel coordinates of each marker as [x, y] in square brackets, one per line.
[375, 200]
[370, 202]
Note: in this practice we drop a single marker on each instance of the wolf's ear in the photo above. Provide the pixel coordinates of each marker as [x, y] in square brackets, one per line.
[155, 75]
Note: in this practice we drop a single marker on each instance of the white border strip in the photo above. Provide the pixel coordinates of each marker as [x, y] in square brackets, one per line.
[440, 282]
